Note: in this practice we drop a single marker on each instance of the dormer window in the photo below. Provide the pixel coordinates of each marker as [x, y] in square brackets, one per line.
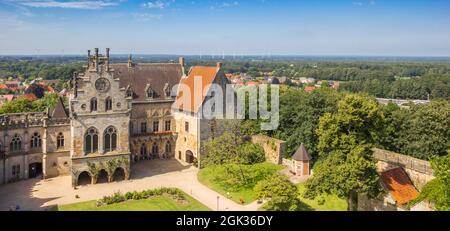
[129, 92]
[167, 90]
[150, 92]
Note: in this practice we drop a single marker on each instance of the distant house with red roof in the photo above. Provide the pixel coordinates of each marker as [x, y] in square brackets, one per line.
[253, 83]
[29, 96]
[310, 88]
[6, 98]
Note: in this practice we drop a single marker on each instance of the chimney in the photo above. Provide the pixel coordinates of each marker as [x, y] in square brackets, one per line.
[219, 65]
[183, 63]
[130, 62]
[89, 59]
[96, 59]
[107, 59]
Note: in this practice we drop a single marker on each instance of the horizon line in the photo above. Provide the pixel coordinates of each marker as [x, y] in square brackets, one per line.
[244, 55]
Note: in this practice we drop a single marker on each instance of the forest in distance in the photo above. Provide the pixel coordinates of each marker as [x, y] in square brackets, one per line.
[383, 77]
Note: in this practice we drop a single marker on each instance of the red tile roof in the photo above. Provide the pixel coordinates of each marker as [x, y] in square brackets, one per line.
[310, 88]
[7, 97]
[253, 83]
[29, 96]
[207, 76]
[399, 185]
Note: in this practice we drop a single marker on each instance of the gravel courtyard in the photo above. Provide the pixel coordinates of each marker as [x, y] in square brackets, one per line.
[35, 194]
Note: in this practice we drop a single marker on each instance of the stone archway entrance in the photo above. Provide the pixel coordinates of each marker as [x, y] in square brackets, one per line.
[34, 170]
[189, 157]
[119, 174]
[84, 178]
[102, 177]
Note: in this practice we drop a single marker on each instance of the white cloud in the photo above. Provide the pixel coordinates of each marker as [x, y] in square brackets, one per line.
[225, 5]
[146, 16]
[157, 4]
[87, 5]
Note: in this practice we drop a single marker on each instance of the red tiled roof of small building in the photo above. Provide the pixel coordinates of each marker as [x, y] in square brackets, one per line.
[399, 185]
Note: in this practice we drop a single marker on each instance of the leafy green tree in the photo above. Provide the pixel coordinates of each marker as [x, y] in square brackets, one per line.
[424, 130]
[23, 104]
[17, 106]
[357, 121]
[437, 190]
[345, 140]
[346, 175]
[281, 193]
[299, 117]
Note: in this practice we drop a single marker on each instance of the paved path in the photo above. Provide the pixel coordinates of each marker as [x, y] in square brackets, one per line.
[38, 194]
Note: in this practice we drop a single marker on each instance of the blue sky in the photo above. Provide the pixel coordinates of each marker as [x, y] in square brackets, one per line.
[240, 27]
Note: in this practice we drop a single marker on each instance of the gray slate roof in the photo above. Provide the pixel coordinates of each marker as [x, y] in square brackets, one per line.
[301, 154]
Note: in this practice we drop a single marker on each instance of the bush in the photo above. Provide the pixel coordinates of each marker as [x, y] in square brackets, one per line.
[118, 197]
[281, 193]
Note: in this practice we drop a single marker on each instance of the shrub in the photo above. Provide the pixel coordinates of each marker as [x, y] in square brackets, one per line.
[117, 197]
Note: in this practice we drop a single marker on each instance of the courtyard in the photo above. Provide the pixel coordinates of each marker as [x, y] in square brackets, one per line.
[36, 194]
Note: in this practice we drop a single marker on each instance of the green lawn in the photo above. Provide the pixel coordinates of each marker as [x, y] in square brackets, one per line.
[332, 202]
[207, 177]
[159, 203]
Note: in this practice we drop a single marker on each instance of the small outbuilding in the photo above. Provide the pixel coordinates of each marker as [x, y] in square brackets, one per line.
[302, 160]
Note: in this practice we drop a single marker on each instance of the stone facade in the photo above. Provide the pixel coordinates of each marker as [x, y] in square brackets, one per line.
[29, 148]
[118, 114]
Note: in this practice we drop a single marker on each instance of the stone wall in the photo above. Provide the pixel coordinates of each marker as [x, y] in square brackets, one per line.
[273, 148]
[383, 203]
[419, 171]
[57, 164]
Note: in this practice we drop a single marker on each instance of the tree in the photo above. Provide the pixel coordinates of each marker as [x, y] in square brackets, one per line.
[17, 106]
[299, 116]
[346, 166]
[424, 130]
[22, 104]
[232, 150]
[281, 193]
[437, 190]
[358, 121]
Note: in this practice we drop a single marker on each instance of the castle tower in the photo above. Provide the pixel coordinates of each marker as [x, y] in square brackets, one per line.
[100, 116]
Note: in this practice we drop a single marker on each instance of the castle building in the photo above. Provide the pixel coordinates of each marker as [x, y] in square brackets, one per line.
[117, 115]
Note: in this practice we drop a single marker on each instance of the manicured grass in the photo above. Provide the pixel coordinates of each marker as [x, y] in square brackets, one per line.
[159, 203]
[332, 202]
[207, 176]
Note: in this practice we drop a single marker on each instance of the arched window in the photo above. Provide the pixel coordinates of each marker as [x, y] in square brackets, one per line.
[16, 144]
[155, 150]
[91, 141]
[108, 104]
[60, 140]
[110, 139]
[94, 104]
[36, 141]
